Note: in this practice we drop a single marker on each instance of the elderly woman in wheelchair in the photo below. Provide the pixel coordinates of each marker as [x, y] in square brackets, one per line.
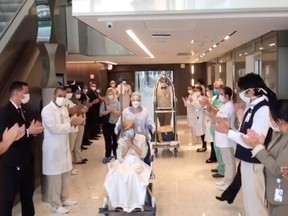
[126, 182]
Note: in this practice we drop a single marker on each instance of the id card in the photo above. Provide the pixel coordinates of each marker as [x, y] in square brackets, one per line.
[248, 117]
[278, 196]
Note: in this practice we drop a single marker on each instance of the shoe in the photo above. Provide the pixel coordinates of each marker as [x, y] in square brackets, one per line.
[201, 149]
[94, 138]
[110, 158]
[220, 183]
[105, 160]
[83, 148]
[223, 199]
[118, 209]
[190, 144]
[210, 161]
[69, 203]
[85, 159]
[80, 162]
[74, 172]
[137, 210]
[59, 210]
[217, 175]
[86, 144]
[214, 170]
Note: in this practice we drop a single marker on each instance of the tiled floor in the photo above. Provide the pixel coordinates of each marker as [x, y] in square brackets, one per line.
[183, 184]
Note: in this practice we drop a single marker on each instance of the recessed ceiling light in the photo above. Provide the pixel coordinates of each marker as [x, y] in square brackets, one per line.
[246, 53]
[214, 45]
[240, 54]
[210, 49]
[227, 37]
[272, 44]
[192, 41]
[261, 48]
[203, 54]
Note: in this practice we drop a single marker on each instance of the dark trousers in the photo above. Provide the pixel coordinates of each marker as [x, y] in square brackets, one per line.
[15, 180]
[110, 139]
[204, 144]
[231, 192]
[212, 153]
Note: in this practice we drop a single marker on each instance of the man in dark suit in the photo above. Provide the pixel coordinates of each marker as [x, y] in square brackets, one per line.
[93, 118]
[17, 162]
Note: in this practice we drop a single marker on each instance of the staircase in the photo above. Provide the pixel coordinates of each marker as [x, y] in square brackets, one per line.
[8, 10]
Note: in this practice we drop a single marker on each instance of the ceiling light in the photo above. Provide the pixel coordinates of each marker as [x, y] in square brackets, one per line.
[240, 54]
[272, 44]
[261, 48]
[214, 45]
[246, 53]
[210, 49]
[227, 37]
[192, 41]
[139, 43]
[80, 62]
[196, 59]
[203, 54]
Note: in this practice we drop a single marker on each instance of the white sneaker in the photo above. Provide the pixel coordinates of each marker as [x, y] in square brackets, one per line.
[69, 202]
[220, 183]
[190, 144]
[59, 210]
[74, 172]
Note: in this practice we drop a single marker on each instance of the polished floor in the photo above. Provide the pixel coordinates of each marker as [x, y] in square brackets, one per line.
[183, 185]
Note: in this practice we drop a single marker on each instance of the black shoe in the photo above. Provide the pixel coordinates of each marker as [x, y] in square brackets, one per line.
[214, 170]
[210, 161]
[98, 136]
[201, 149]
[217, 175]
[80, 162]
[222, 199]
[85, 159]
[94, 138]
[83, 148]
[86, 144]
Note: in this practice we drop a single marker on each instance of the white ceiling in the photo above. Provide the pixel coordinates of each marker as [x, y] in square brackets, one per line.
[206, 29]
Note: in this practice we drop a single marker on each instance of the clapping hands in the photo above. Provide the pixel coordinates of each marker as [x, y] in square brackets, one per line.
[35, 127]
[253, 139]
[223, 125]
[13, 134]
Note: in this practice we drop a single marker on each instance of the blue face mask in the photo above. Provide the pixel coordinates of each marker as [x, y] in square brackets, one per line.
[130, 133]
[110, 97]
[216, 91]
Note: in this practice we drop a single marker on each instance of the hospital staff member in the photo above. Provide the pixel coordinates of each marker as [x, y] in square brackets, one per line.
[254, 92]
[57, 162]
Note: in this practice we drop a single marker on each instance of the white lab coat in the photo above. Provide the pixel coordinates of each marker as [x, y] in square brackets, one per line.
[125, 93]
[56, 150]
[198, 116]
[190, 111]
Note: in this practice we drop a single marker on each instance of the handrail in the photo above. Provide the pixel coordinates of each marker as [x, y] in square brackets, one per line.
[11, 20]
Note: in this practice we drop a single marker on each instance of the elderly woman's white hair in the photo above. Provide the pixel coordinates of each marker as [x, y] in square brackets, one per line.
[136, 94]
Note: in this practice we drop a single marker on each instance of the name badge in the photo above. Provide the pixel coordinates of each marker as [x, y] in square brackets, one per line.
[278, 196]
[248, 117]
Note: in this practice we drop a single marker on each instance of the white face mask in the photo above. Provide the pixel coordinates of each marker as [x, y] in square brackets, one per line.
[113, 85]
[244, 98]
[78, 96]
[275, 129]
[69, 95]
[197, 94]
[135, 104]
[124, 82]
[93, 89]
[190, 91]
[60, 101]
[85, 91]
[98, 91]
[221, 98]
[25, 99]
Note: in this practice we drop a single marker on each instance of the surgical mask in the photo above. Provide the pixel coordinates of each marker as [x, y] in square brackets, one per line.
[109, 97]
[60, 101]
[130, 133]
[163, 85]
[78, 96]
[124, 82]
[25, 99]
[275, 129]
[221, 98]
[197, 94]
[244, 98]
[85, 91]
[69, 95]
[216, 91]
[135, 104]
[190, 91]
[93, 89]
[98, 91]
[113, 85]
